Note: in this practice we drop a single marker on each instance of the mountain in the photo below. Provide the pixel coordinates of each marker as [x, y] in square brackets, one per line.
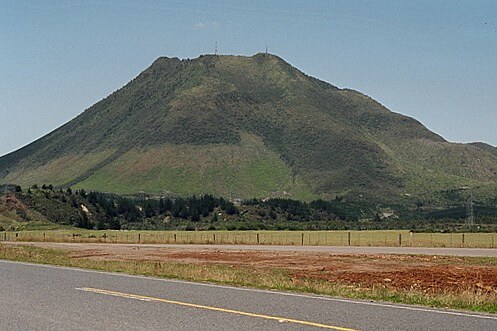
[245, 127]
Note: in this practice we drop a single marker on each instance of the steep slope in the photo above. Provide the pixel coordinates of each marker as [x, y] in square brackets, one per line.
[15, 215]
[243, 127]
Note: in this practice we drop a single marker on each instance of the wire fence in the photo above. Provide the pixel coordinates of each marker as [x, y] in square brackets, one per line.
[305, 238]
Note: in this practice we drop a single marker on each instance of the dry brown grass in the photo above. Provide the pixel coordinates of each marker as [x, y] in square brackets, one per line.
[381, 238]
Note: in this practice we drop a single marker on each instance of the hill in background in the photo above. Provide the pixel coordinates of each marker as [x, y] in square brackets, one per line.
[243, 127]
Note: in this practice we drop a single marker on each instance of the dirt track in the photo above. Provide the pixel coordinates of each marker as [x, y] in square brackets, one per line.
[422, 273]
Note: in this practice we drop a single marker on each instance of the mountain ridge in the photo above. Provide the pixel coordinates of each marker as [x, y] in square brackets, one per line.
[242, 127]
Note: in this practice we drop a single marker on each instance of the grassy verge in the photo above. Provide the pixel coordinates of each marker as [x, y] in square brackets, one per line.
[377, 238]
[264, 278]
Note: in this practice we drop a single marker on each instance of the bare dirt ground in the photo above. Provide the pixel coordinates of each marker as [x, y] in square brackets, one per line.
[430, 274]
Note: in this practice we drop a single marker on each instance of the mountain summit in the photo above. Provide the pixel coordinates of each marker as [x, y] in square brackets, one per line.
[247, 127]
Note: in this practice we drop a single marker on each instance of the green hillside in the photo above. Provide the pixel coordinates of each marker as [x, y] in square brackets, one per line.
[245, 127]
[16, 215]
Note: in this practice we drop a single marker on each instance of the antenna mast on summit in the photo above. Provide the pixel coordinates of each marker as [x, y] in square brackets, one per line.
[215, 49]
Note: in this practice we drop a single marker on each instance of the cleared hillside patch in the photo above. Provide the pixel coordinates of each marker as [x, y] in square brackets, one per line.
[246, 170]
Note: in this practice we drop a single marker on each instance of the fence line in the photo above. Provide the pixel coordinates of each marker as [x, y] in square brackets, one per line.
[307, 238]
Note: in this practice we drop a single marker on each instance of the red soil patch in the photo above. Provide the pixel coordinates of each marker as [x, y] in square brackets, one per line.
[429, 274]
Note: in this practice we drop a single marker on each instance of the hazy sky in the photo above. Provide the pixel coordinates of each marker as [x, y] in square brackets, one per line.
[435, 61]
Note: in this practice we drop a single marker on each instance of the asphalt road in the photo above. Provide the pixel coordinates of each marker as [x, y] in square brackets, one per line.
[37, 297]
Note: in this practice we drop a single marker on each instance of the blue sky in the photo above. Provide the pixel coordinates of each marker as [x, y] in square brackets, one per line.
[435, 61]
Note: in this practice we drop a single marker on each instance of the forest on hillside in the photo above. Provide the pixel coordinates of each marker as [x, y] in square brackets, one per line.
[98, 210]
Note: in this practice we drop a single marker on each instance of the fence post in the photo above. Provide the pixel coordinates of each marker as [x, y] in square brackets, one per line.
[258, 241]
[410, 239]
[139, 237]
[492, 240]
[302, 239]
[349, 238]
[214, 237]
[463, 240]
[400, 239]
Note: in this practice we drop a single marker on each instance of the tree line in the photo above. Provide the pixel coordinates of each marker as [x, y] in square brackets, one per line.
[99, 210]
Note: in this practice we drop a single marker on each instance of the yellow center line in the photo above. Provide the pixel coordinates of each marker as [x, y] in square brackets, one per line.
[223, 310]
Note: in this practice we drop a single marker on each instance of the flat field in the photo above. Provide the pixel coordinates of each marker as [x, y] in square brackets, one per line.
[392, 238]
[439, 281]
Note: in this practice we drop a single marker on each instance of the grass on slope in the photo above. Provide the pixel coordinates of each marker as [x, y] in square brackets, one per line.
[246, 170]
[12, 221]
[58, 171]
[431, 169]
[265, 278]
[15, 215]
